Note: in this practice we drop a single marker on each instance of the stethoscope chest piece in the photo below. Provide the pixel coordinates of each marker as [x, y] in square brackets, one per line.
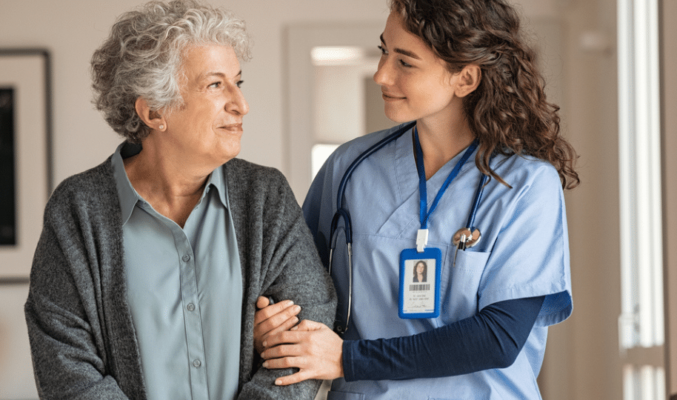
[464, 238]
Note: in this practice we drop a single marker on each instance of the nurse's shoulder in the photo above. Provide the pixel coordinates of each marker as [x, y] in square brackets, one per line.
[528, 174]
[346, 153]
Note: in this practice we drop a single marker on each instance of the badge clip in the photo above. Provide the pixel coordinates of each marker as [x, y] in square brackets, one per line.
[421, 240]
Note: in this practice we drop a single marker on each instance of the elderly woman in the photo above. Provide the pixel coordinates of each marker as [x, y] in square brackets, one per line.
[146, 274]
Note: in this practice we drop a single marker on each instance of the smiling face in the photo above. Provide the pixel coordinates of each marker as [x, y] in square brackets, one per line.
[420, 268]
[415, 82]
[208, 126]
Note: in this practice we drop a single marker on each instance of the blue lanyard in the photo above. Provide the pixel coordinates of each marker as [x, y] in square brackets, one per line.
[422, 182]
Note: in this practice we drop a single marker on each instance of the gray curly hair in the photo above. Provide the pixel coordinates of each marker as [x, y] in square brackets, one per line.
[142, 58]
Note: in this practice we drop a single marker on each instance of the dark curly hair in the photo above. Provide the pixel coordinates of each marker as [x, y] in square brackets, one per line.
[425, 271]
[508, 112]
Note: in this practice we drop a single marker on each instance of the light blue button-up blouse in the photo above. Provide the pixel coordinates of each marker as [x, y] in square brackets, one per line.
[184, 288]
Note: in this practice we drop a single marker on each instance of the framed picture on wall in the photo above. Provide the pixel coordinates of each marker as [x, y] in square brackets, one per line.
[25, 151]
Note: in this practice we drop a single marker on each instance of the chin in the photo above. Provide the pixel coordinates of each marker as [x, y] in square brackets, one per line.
[227, 157]
[398, 113]
[229, 152]
[397, 117]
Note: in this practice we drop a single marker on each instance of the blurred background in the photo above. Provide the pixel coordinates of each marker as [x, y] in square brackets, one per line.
[609, 64]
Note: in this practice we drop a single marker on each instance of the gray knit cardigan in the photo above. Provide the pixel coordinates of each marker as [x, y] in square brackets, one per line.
[79, 323]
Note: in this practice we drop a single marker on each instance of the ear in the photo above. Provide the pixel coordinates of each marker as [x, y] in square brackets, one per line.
[468, 80]
[152, 118]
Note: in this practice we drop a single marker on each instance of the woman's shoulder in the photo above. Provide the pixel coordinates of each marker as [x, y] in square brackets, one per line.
[86, 199]
[532, 180]
[90, 187]
[246, 172]
[250, 183]
[525, 169]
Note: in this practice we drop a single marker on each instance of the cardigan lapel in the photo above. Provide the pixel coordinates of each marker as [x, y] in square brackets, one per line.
[123, 352]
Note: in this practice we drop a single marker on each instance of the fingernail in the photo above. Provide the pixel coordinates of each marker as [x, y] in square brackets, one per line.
[291, 303]
[265, 364]
[265, 344]
[278, 382]
[297, 309]
[293, 329]
[295, 321]
[263, 355]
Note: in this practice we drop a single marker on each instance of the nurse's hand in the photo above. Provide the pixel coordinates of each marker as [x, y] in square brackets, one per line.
[311, 347]
[270, 320]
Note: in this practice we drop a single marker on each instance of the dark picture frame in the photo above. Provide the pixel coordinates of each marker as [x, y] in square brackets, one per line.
[26, 173]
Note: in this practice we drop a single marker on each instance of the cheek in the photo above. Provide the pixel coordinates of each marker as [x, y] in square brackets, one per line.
[435, 95]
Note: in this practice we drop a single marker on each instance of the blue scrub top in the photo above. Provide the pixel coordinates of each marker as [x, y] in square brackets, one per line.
[524, 252]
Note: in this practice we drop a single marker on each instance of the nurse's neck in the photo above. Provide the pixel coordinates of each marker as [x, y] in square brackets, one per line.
[441, 141]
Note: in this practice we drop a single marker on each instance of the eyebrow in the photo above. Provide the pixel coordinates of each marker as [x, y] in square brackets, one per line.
[219, 74]
[402, 51]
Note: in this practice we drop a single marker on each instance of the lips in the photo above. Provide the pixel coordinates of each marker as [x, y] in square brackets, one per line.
[237, 127]
[391, 97]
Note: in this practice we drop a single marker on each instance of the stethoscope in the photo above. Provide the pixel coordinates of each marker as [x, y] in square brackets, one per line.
[463, 239]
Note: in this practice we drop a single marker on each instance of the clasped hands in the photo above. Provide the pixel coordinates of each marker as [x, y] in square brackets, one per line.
[310, 346]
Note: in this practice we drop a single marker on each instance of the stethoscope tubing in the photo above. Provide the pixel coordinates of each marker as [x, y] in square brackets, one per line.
[476, 202]
[342, 213]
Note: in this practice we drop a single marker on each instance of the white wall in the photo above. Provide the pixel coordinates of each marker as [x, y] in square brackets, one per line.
[339, 101]
[16, 370]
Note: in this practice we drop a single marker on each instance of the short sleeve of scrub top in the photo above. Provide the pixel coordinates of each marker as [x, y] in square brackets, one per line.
[530, 253]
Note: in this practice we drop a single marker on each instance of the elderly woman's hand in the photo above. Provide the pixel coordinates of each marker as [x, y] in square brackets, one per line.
[311, 347]
[272, 319]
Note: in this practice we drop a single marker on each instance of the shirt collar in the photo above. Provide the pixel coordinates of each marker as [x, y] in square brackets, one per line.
[128, 196]
[218, 182]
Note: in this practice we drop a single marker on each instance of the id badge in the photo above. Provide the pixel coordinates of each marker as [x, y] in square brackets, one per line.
[420, 283]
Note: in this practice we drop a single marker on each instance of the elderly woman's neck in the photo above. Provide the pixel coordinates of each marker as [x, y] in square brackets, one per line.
[167, 182]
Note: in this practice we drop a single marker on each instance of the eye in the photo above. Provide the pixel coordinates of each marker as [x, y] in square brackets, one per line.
[404, 64]
[215, 85]
[383, 50]
[239, 83]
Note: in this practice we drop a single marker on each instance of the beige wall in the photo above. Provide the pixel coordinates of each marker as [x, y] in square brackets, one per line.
[581, 362]
[669, 125]
[591, 122]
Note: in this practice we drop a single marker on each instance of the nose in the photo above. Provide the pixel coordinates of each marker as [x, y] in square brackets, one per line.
[237, 103]
[383, 75]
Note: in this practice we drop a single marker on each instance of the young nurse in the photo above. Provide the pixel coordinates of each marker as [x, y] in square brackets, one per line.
[481, 149]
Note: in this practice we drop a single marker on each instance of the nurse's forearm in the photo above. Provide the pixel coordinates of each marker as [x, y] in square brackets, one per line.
[491, 339]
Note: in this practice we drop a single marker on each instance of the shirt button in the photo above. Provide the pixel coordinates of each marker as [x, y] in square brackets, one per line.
[191, 307]
[197, 363]
[186, 258]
